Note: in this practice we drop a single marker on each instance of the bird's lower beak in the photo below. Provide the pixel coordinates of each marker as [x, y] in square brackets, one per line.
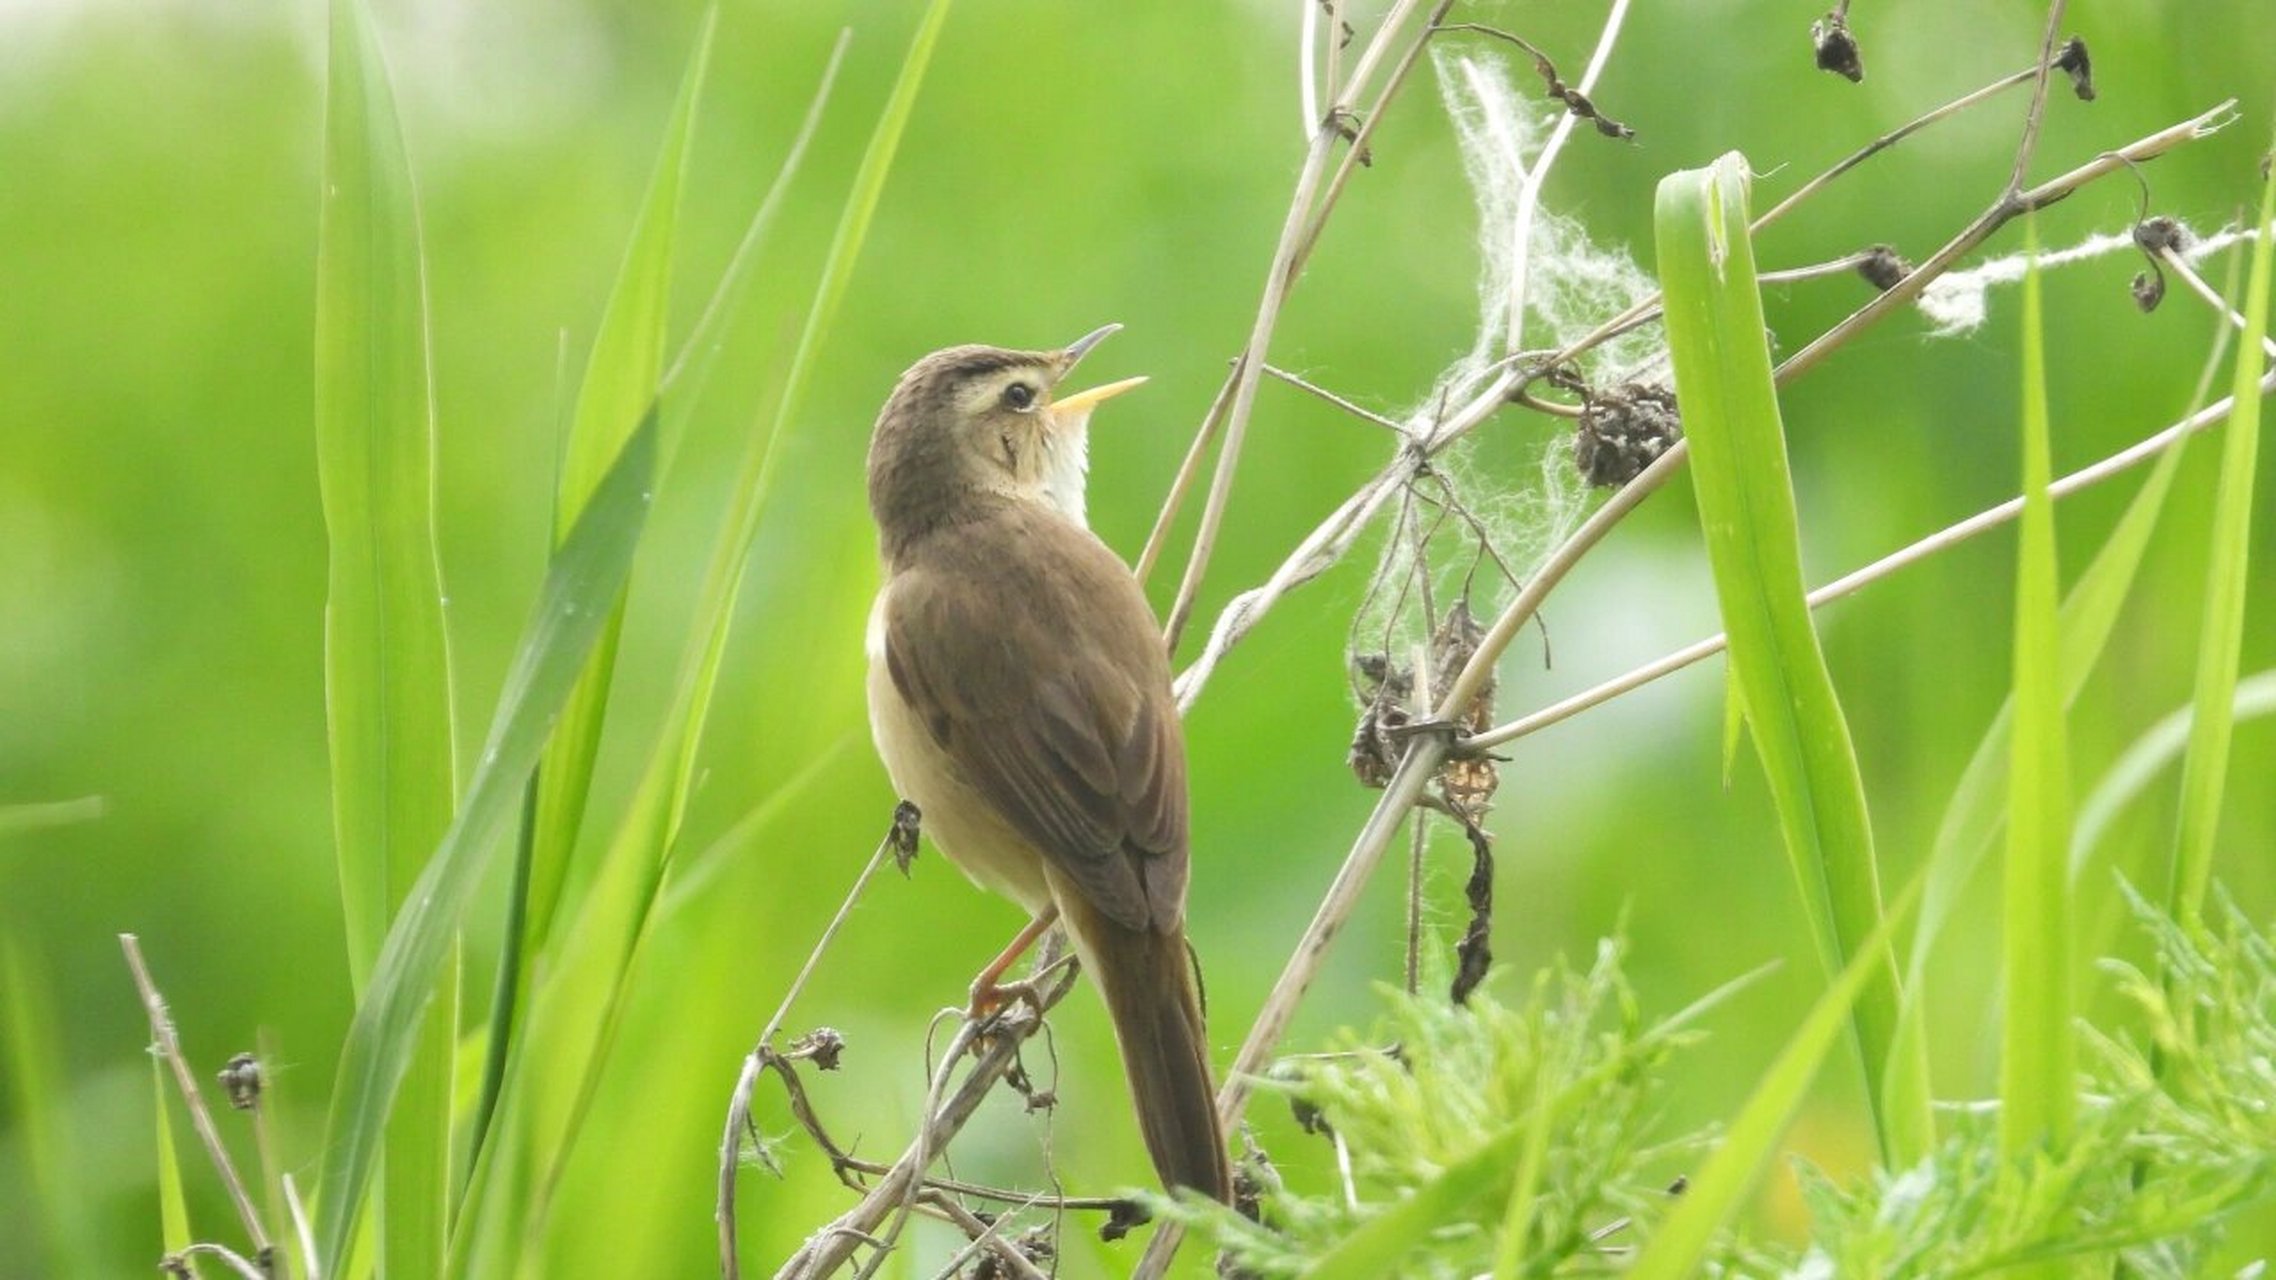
[1081, 403]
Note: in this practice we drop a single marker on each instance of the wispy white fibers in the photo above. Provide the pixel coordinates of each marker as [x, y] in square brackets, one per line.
[1956, 303]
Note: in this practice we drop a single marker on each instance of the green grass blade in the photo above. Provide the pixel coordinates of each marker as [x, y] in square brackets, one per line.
[623, 376]
[621, 380]
[173, 1205]
[585, 578]
[2204, 771]
[31, 1051]
[387, 666]
[387, 658]
[1746, 509]
[2139, 765]
[1974, 816]
[586, 985]
[2038, 1089]
[1750, 1144]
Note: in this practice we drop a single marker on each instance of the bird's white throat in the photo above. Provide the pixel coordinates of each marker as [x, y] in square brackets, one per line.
[1066, 467]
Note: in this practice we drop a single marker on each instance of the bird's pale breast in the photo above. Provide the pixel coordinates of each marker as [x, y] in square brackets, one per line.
[961, 824]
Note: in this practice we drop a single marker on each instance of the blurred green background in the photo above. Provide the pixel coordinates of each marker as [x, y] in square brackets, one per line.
[162, 549]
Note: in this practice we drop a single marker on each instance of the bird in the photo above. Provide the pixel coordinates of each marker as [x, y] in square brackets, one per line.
[1019, 695]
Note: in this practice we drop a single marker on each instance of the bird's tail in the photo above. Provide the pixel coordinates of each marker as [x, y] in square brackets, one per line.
[1151, 997]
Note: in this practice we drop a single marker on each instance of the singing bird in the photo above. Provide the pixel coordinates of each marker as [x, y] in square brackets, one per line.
[1020, 696]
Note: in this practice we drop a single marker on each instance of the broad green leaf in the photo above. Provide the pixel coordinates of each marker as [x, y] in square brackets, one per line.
[2038, 1089]
[387, 659]
[2204, 771]
[1750, 1144]
[1746, 509]
[582, 582]
[576, 1015]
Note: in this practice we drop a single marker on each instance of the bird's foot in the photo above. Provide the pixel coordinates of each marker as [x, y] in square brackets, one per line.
[998, 1000]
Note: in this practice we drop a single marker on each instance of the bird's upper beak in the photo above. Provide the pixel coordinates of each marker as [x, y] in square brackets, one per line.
[1074, 409]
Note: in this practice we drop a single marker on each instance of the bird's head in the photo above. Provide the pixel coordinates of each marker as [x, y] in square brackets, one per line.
[973, 423]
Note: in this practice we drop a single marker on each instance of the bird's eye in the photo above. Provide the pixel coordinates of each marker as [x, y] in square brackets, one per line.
[1019, 395]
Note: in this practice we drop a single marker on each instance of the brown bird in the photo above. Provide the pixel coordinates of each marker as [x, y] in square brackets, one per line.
[1020, 696]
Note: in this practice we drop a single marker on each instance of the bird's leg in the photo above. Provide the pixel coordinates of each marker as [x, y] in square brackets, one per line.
[989, 991]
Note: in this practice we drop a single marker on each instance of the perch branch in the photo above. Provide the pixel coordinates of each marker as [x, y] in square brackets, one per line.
[170, 1048]
[900, 836]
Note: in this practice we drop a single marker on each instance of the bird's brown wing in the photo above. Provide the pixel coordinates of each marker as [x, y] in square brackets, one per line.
[1030, 656]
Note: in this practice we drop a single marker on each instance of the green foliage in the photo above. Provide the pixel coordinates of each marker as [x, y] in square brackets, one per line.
[2206, 1129]
[2036, 1085]
[586, 575]
[1579, 1065]
[386, 652]
[1432, 1129]
[2204, 772]
[1746, 512]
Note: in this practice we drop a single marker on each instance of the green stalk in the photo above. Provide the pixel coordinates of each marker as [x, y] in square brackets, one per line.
[2038, 1088]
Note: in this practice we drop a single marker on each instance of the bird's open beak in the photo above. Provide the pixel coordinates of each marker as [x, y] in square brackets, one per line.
[1082, 402]
[1079, 405]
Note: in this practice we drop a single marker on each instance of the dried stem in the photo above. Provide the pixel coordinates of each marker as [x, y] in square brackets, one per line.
[830, 1248]
[2126, 459]
[1314, 389]
[170, 1048]
[983, 1235]
[900, 838]
[229, 1257]
[2037, 114]
[1278, 278]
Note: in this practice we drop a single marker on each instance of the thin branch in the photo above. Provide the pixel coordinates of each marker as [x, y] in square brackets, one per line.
[984, 1235]
[1277, 282]
[2132, 456]
[230, 1258]
[900, 839]
[1890, 139]
[2180, 266]
[170, 1048]
[830, 1248]
[2036, 116]
[1363, 414]
[2003, 211]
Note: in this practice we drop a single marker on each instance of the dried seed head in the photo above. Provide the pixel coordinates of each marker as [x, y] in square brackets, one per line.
[2156, 235]
[1882, 267]
[1623, 431]
[2148, 288]
[241, 1081]
[823, 1046]
[901, 837]
[1126, 1217]
[1837, 48]
[2073, 62]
